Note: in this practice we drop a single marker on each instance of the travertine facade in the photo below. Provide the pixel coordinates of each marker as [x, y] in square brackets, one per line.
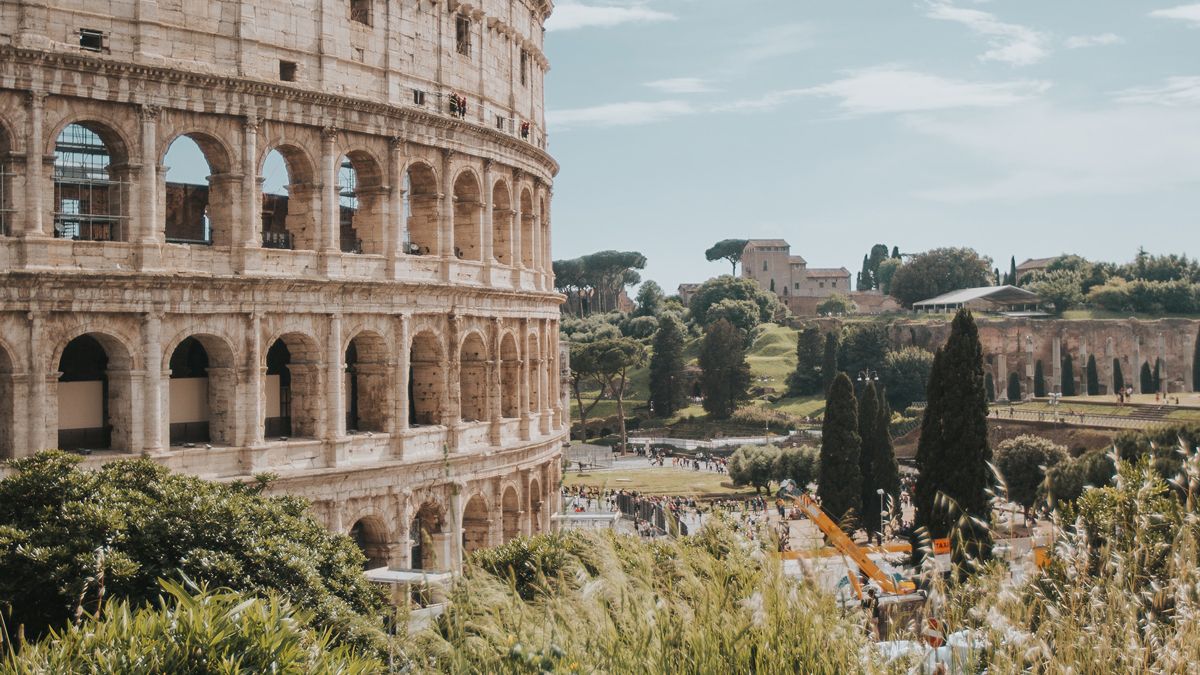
[383, 334]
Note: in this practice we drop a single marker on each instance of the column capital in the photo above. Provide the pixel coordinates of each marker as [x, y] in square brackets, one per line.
[148, 112]
[398, 143]
[329, 133]
[36, 98]
[251, 122]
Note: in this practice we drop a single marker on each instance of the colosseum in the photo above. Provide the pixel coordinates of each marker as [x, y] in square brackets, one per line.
[308, 238]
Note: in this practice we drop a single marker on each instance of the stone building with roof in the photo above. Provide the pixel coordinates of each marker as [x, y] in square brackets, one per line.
[801, 288]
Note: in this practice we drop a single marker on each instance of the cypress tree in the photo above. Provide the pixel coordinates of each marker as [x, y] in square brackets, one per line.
[886, 472]
[666, 367]
[839, 482]
[806, 380]
[868, 419]
[1014, 387]
[996, 275]
[1196, 364]
[990, 386]
[1157, 375]
[1118, 378]
[829, 364]
[864, 277]
[1039, 380]
[953, 452]
[1147, 378]
[896, 252]
[1012, 270]
[1068, 376]
[1093, 377]
[725, 375]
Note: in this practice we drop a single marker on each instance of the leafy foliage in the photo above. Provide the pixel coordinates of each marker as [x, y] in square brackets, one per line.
[1014, 387]
[1093, 376]
[836, 305]
[801, 464]
[1039, 379]
[1068, 375]
[840, 483]
[864, 347]
[725, 374]
[726, 287]
[805, 380]
[1023, 461]
[829, 361]
[939, 271]
[886, 273]
[905, 375]
[754, 465]
[649, 299]
[727, 249]
[667, 384]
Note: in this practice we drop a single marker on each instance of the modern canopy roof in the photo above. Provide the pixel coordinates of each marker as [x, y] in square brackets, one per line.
[997, 295]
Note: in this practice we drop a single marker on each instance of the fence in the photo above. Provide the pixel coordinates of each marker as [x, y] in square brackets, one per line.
[720, 443]
[645, 510]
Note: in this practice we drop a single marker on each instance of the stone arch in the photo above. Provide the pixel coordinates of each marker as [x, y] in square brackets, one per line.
[533, 356]
[502, 216]
[535, 506]
[510, 509]
[361, 200]
[94, 393]
[367, 387]
[421, 209]
[370, 534]
[476, 524]
[468, 216]
[202, 390]
[426, 380]
[7, 403]
[289, 208]
[527, 222]
[198, 210]
[426, 531]
[510, 377]
[92, 182]
[473, 377]
[292, 390]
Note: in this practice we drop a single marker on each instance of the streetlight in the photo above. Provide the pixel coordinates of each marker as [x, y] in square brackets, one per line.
[867, 375]
[882, 513]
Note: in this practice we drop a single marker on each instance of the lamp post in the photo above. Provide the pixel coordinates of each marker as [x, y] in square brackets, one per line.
[867, 375]
[882, 512]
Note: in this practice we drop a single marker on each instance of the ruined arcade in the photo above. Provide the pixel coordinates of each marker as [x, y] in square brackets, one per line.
[354, 295]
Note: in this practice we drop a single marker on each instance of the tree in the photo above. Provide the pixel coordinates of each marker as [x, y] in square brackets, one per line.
[1012, 271]
[868, 432]
[863, 347]
[805, 380]
[583, 369]
[800, 464]
[905, 374]
[1039, 380]
[754, 465]
[727, 249]
[1157, 379]
[666, 367]
[896, 252]
[836, 305]
[743, 314]
[840, 483]
[879, 253]
[1068, 375]
[1147, 378]
[885, 471]
[649, 299]
[1093, 377]
[611, 361]
[1118, 377]
[829, 363]
[1023, 462]
[864, 277]
[594, 282]
[1061, 288]
[885, 274]
[135, 522]
[726, 287]
[953, 451]
[1196, 364]
[1014, 387]
[990, 385]
[939, 271]
[725, 375]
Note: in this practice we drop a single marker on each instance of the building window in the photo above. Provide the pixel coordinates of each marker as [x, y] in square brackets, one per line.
[418, 97]
[524, 68]
[360, 11]
[500, 122]
[90, 39]
[764, 265]
[834, 283]
[287, 71]
[462, 35]
[795, 285]
[822, 284]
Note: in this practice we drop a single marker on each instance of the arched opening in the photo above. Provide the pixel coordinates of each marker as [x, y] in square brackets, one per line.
[198, 192]
[535, 506]
[94, 388]
[543, 258]
[475, 525]
[366, 387]
[421, 210]
[473, 379]
[91, 184]
[510, 378]
[7, 210]
[288, 194]
[360, 201]
[510, 508]
[370, 535]
[533, 354]
[7, 411]
[293, 388]
[201, 391]
[468, 218]
[502, 216]
[527, 252]
[426, 525]
[426, 381]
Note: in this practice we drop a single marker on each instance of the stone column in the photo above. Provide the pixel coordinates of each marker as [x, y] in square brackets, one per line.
[537, 236]
[328, 229]
[247, 237]
[547, 251]
[149, 225]
[335, 380]
[39, 374]
[452, 391]
[487, 237]
[1110, 372]
[396, 224]
[1164, 384]
[495, 386]
[1000, 381]
[518, 246]
[446, 208]
[1083, 361]
[152, 354]
[35, 208]
[524, 389]
[456, 528]
[544, 377]
[1056, 365]
[1135, 374]
[256, 374]
[404, 359]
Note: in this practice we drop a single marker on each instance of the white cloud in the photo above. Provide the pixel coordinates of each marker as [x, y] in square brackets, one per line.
[774, 42]
[1189, 13]
[682, 85]
[1176, 91]
[570, 15]
[1010, 43]
[896, 90]
[1039, 150]
[1102, 40]
[618, 114]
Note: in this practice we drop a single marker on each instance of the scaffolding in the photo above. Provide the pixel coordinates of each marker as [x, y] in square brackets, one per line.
[87, 200]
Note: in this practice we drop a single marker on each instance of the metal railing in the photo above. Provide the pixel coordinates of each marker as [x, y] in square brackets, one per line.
[277, 240]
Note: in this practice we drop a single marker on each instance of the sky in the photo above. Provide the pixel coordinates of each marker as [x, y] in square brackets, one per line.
[1020, 128]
